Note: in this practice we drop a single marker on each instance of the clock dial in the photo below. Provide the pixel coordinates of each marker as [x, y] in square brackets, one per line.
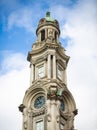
[62, 106]
[39, 102]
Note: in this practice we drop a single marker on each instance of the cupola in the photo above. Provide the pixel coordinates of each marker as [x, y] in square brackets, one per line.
[48, 27]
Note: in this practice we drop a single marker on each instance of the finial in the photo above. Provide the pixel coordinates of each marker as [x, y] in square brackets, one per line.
[48, 17]
[48, 14]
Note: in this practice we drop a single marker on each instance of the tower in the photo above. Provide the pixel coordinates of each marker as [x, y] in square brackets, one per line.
[48, 104]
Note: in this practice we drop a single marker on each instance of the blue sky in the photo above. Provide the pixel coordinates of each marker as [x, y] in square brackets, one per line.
[16, 35]
[78, 25]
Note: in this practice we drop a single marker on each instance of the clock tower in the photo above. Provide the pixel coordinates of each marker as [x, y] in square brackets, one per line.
[48, 104]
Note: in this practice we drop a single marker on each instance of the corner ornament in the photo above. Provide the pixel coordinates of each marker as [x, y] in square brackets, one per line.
[21, 107]
[54, 92]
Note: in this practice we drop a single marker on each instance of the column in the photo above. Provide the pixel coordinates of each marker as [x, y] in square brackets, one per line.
[54, 67]
[65, 76]
[49, 66]
[39, 36]
[31, 73]
[57, 38]
[46, 33]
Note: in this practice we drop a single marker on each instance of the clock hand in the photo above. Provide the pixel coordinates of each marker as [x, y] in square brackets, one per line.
[39, 101]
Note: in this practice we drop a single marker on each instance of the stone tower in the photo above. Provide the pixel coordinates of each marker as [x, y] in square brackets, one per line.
[48, 104]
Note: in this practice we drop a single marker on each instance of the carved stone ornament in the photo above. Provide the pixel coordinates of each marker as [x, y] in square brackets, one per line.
[21, 107]
[39, 112]
[50, 39]
[75, 111]
[54, 92]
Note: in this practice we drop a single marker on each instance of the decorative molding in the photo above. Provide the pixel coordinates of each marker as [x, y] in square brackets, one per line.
[68, 115]
[54, 92]
[38, 112]
[62, 63]
[39, 59]
[47, 83]
[44, 46]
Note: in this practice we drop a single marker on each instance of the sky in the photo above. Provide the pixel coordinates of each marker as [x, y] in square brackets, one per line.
[78, 25]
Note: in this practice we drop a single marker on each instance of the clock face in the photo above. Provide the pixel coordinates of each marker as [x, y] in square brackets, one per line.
[39, 102]
[62, 106]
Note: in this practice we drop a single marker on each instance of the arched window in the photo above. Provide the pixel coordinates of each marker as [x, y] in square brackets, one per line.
[42, 35]
[55, 35]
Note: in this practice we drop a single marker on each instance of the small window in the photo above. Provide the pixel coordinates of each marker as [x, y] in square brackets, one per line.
[39, 125]
[59, 73]
[41, 71]
[42, 35]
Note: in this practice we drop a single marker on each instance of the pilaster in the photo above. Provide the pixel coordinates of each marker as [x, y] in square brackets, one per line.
[49, 66]
[32, 73]
[54, 67]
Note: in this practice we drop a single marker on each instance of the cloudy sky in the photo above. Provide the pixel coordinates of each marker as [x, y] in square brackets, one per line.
[78, 25]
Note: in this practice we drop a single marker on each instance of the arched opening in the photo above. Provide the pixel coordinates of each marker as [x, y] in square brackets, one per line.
[55, 35]
[42, 35]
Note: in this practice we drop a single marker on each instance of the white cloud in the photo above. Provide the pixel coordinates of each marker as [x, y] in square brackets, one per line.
[80, 28]
[12, 61]
[13, 84]
[21, 18]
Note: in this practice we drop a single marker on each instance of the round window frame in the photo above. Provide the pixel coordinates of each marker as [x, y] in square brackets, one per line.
[36, 97]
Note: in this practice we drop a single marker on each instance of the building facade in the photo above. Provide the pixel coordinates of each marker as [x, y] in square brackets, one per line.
[48, 104]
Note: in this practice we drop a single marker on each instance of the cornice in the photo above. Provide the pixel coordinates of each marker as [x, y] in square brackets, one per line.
[48, 81]
[62, 54]
[56, 46]
[38, 112]
[62, 63]
[39, 59]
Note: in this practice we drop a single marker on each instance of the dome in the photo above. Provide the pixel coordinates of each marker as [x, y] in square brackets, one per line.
[48, 20]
